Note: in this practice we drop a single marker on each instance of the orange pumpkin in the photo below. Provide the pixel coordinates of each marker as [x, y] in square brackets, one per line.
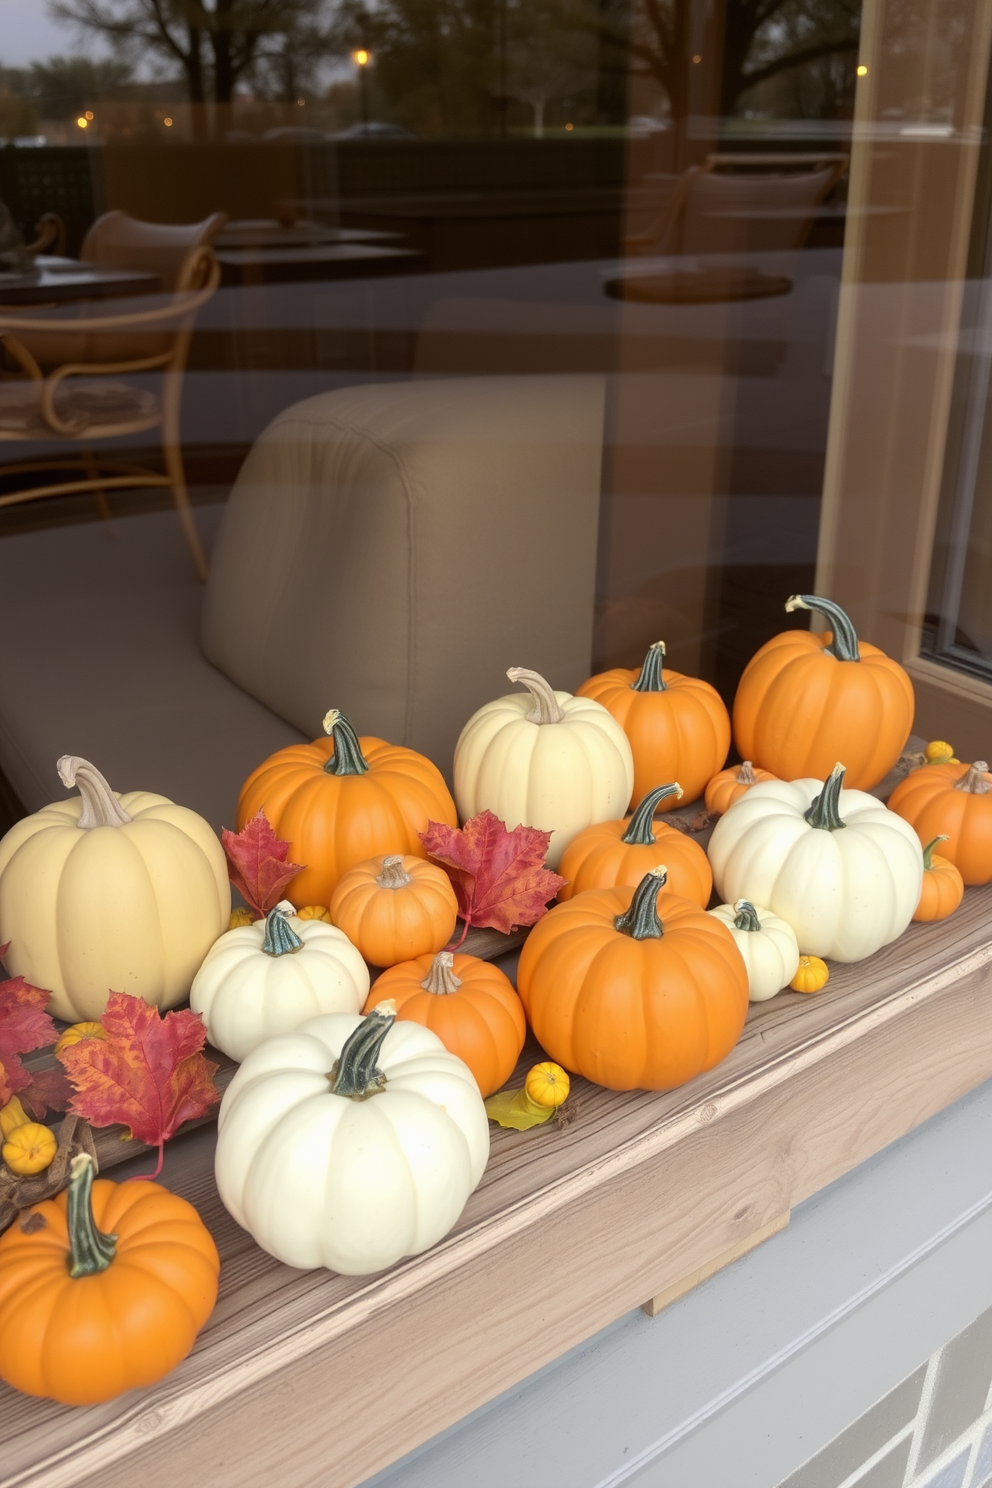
[631, 991]
[677, 726]
[806, 701]
[470, 1005]
[102, 1289]
[943, 886]
[343, 799]
[729, 785]
[621, 852]
[953, 802]
[394, 908]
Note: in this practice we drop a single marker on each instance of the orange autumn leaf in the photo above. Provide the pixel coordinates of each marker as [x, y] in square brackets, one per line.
[149, 1073]
[258, 864]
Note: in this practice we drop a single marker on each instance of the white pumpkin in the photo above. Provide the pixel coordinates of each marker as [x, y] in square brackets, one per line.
[842, 869]
[546, 759]
[106, 892]
[268, 978]
[350, 1143]
[767, 943]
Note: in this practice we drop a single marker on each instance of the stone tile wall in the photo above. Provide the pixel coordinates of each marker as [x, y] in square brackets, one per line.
[932, 1431]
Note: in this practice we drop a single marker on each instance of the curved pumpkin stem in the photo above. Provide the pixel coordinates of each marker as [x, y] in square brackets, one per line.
[928, 853]
[441, 978]
[652, 678]
[393, 875]
[640, 830]
[355, 1071]
[641, 920]
[974, 781]
[746, 916]
[101, 807]
[90, 1250]
[347, 758]
[280, 938]
[547, 708]
[824, 809]
[844, 644]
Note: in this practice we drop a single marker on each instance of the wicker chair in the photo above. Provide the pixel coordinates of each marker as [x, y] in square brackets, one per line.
[58, 392]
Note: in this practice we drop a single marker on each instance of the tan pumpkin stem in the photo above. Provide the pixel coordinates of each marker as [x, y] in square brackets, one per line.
[393, 875]
[441, 978]
[974, 782]
[101, 807]
[746, 775]
[546, 707]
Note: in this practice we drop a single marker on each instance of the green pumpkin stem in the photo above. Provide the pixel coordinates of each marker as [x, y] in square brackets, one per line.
[640, 829]
[746, 916]
[824, 809]
[928, 852]
[280, 937]
[90, 1250]
[641, 920]
[844, 643]
[652, 672]
[355, 1071]
[347, 758]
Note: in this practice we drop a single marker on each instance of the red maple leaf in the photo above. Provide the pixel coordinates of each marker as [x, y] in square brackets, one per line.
[149, 1073]
[49, 1091]
[257, 863]
[498, 876]
[24, 1025]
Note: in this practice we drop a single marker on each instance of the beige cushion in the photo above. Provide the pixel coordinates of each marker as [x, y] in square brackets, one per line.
[390, 549]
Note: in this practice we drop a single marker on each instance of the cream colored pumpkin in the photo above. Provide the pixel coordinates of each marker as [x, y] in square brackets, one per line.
[351, 1142]
[545, 759]
[267, 978]
[767, 943]
[105, 892]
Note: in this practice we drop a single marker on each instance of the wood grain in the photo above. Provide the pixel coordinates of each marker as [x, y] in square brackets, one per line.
[703, 1273]
[569, 1229]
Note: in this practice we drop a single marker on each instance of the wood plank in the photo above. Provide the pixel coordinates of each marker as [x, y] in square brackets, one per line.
[569, 1228]
[695, 1278]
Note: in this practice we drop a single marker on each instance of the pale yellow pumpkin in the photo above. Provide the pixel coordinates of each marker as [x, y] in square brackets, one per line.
[102, 892]
[29, 1149]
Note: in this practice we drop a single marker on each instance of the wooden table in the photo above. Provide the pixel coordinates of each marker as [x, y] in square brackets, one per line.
[303, 1377]
[60, 279]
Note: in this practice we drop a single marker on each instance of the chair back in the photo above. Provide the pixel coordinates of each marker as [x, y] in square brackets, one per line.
[751, 212]
[123, 242]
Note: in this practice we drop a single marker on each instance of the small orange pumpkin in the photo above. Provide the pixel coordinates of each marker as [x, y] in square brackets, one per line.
[102, 1289]
[728, 786]
[343, 799]
[943, 886]
[678, 727]
[395, 908]
[619, 853]
[806, 701]
[632, 990]
[470, 1005]
[953, 802]
[812, 975]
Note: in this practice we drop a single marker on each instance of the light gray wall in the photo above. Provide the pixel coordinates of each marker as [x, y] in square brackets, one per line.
[748, 1376]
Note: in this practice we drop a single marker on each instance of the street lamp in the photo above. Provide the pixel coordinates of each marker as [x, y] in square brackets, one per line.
[361, 59]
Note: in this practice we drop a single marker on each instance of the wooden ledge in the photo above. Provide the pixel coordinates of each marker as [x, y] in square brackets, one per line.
[640, 1196]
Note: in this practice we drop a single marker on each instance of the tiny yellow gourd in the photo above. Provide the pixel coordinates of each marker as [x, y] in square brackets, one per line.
[241, 917]
[547, 1085]
[12, 1115]
[939, 752]
[76, 1032]
[29, 1149]
[314, 912]
[812, 975]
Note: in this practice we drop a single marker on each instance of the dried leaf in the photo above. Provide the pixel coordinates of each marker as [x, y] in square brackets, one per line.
[49, 1091]
[693, 824]
[498, 876]
[257, 864]
[514, 1108]
[24, 1025]
[149, 1073]
[17, 1193]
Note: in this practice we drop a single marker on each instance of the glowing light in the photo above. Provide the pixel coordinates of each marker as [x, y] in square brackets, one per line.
[167, 123]
[83, 122]
[89, 115]
[569, 126]
[697, 58]
[300, 102]
[862, 71]
[361, 58]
